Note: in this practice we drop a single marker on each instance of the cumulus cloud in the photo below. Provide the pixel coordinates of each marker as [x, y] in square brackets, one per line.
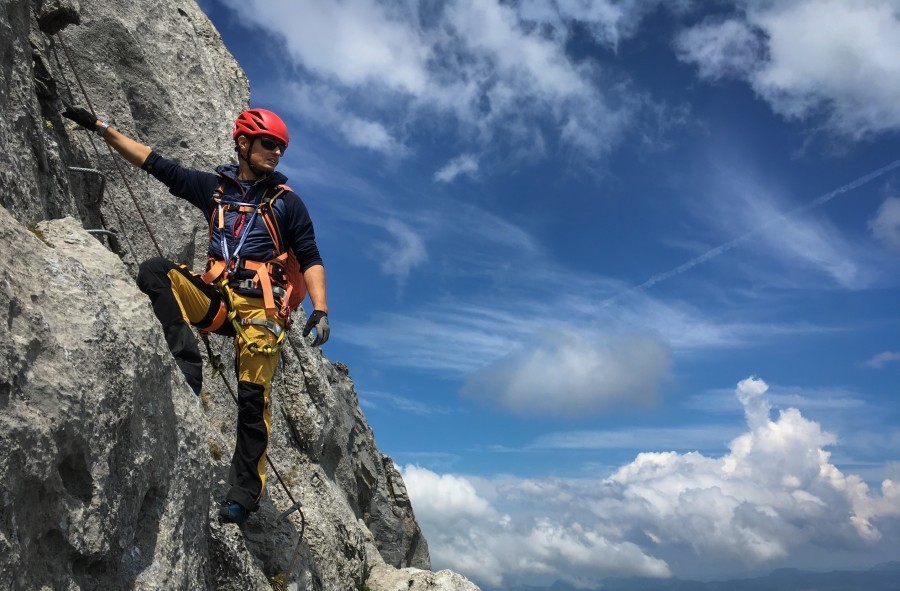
[774, 491]
[885, 226]
[567, 375]
[775, 494]
[464, 164]
[826, 59]
[466, 533]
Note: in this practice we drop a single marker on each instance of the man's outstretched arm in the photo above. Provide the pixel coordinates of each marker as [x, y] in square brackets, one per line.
[133, 151]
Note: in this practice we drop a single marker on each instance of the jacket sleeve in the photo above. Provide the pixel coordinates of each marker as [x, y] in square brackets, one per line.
[299, 232]
[192, 185]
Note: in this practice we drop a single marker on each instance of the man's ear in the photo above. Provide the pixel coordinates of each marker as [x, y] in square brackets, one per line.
[243, 142]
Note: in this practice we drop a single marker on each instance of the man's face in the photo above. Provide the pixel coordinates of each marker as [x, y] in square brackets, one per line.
[266, 153]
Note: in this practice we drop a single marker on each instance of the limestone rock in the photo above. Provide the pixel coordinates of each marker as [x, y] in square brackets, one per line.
[387, 578]
[110, 468]
[101, 458]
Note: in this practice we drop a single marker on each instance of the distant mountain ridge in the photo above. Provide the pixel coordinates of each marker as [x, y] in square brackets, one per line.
[881, 577]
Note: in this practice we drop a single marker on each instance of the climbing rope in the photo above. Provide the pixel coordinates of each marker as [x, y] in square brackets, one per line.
[114, 158]
[112, 202]
[218, 366]
[214, 359]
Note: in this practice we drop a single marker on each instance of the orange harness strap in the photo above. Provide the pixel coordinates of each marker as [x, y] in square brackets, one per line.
[219, 319]
[264, 282]
[215, 269]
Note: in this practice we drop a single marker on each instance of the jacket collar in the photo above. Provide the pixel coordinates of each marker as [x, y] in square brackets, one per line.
[230, 171]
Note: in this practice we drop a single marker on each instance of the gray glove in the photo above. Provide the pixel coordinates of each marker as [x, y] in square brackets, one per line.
[318, 320]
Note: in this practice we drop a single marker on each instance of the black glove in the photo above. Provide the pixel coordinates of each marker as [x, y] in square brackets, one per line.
[317, 320]
[81, 116]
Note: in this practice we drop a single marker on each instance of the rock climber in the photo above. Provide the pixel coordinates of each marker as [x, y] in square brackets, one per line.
[258, 227]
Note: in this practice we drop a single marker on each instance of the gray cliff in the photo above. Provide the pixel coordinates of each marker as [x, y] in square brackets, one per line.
[110, 468]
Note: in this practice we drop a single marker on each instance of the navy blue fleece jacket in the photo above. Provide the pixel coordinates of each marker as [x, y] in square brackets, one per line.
[198, 187]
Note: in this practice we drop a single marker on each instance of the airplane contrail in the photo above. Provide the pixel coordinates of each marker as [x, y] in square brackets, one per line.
[723, 248]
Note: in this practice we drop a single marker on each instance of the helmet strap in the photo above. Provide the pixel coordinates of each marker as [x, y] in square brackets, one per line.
[256, 171]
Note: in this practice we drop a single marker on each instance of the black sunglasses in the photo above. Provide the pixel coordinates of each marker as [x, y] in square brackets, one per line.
[270, 144]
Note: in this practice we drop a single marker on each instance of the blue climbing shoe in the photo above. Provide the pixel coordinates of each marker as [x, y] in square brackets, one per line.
[233, 512]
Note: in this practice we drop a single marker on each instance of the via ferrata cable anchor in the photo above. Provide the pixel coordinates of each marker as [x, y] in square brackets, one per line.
[289, 510]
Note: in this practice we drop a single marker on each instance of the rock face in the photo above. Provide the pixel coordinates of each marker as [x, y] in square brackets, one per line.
[384, 578]
[110, 468]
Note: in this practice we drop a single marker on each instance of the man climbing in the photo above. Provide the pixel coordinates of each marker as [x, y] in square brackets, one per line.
[257, 226]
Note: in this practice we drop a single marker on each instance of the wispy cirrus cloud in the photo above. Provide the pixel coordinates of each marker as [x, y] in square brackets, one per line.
[885, 224]
[372, 399]
[882, 359]
[705, 437]
[803, 398]
[587, 356]
[462, 165]
[405, 252]
[766, 221]
[460, 337]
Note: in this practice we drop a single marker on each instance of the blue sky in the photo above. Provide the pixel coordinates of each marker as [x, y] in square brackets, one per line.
[616, 281]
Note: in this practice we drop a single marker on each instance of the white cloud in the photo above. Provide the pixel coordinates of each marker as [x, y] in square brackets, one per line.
[401, 256]
[773, 496]
[564, 374]
[467, 534]
[464, 164]
[775, 490]
[837, 400]
[882, 359]
[684, 438]
[762, 219]
[325, 106]
[456, 338]
[609, 21]
[726, 48]
[355, 42]
[478, 62]
[885, 226]
[372, 399]
[832, 60]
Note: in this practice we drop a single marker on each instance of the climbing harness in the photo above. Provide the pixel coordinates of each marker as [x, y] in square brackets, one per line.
[279, 279]
[215, 360]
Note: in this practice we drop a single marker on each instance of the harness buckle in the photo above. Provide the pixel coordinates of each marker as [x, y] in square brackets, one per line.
[270, 325]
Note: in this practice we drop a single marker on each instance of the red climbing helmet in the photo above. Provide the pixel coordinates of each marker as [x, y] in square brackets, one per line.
[257, 122]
